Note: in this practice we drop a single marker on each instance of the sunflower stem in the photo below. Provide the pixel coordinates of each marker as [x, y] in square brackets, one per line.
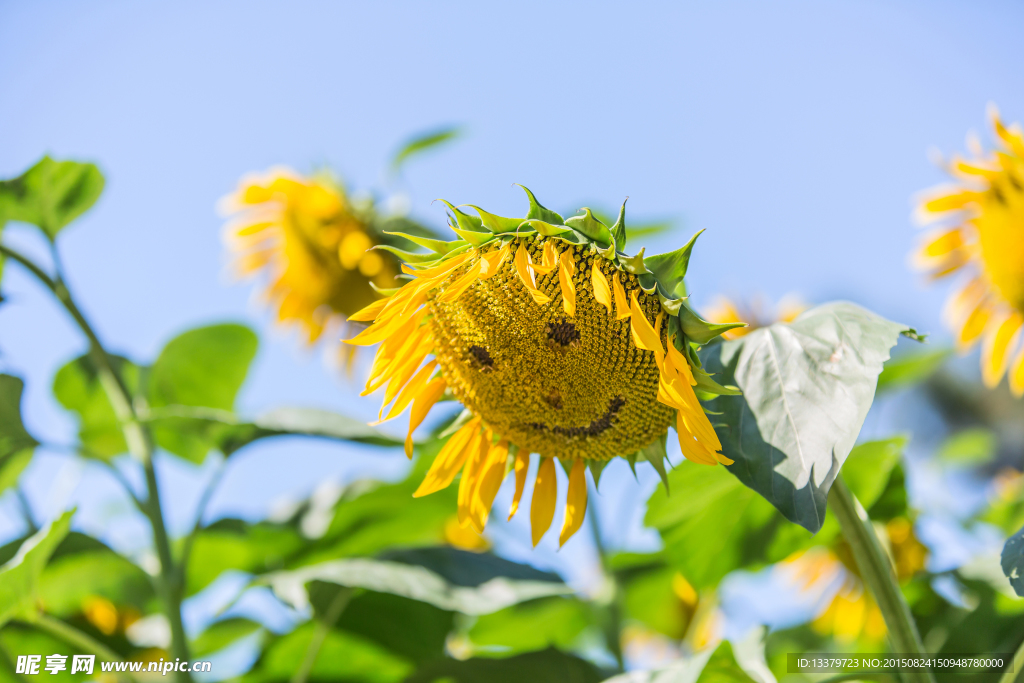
[169, 582]
[613, 623]
[877, 571]
[1015, 669]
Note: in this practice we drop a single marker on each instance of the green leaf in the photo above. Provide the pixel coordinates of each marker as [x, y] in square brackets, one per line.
[78, 388]
[648, 598]
[16, 443]
[230, 544]
[807, 387]
[19, 577]
[546, 666]
[589, 225]
[451, 592]
[496, 224]
[414, 630]
[81, 568]
[535, 625]
[539, 212]
[302, 422]
[712, 524]
[670, 268]
[221, 634]
[910, 369]
[971, 446]
[342, 657]
[422, 142]
[1012, 561]
[204, 367]
[700, 331]
[20, 638]
[51, 194]
[869, 466]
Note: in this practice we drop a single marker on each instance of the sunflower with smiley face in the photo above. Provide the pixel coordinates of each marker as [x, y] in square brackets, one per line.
[556, 342]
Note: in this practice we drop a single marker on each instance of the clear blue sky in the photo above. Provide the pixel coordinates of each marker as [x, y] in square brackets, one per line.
[794, 132]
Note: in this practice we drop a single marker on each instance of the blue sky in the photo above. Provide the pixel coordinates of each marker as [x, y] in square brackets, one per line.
[795, 133]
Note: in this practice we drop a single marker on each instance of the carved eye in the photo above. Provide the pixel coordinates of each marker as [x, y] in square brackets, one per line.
[562, 333]
[481, 356]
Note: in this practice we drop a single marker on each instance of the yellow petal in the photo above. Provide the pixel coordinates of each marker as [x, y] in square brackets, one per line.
[1017, 374]
[378, 332]
[565, 273]
[950, 202]
[370, 312]
[575, 501]
[525, 274]
[974, 325]
[411, 391]
[492, 261]
[602, 292]
[943, 243]
[460, 285]
[1011, 138]
[411, 339]
[487, 485]
[644, 336]
[545, 494]
[478, 448]
[522, 465]
[440, 270]
[995, 350]
[422, 404]
[549, 259]
[451, 459]
[621, 303]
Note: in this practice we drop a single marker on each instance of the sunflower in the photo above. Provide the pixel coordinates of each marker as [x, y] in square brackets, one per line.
[755, 313]
[556, 343]
[313, 244]
[981, 233]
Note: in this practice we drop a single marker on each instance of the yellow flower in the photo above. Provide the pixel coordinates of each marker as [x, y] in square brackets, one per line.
[312, 245]
[981, 233]
[556, 342]
[755, 313]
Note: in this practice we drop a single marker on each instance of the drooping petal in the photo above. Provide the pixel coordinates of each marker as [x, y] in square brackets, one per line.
[368, 313]
[644, 336]
[974, 325]
[492, 261]
[621, 303]
[545, 495]
[995, 352]
[451, 459]
[478, 449]
[488, 483]
[575, 501]
[411, 391]
[422, 403]
[1017, 374]
[566, 270]
[950, 202]
[549, 259]
[522, 466]
[602, 291]
[455, 290]
[526, 276]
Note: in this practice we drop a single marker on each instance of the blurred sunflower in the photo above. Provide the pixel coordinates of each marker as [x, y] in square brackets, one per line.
[852, 612]
[755, 313]
[556, 342]
[981, 233]
[311, 242]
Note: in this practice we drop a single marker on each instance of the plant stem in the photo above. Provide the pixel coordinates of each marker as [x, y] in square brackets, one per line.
[323, 627]
[613, 626]
[878, 574]
[26, 511]
[1015, 671]
[140, 445]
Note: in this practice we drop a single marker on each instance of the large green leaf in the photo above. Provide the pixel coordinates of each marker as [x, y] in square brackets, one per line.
[869, 467]
[51, 194]
[78, 388]
[203, 367]
[807, 387]
[82, 567]
[911, 368]
[535, 625]
[19, 576]
[472, 583]
[16, 443]
[234, 544]
[545, 666]
[411, 629]
[712, 524]
[1012, 561]
[222, 634]
[342, 656]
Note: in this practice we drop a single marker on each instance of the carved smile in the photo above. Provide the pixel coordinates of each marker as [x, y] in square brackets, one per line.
[598, 426]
